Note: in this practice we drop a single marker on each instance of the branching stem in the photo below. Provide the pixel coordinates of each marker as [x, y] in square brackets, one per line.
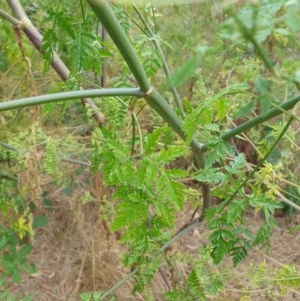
[63, 96]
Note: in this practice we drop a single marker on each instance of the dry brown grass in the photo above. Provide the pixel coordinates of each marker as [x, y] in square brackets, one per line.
[76, 252]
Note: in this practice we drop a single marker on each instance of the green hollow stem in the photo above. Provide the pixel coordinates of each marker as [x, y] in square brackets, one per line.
[159, 104]
[117, 34]
[154, 99]
[63, 96]
[288, 105]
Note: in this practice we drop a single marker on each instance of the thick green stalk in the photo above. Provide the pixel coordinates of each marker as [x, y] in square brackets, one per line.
[62, 96]
[154, 99]
[262, 118]
[117, 34]
[158, 103]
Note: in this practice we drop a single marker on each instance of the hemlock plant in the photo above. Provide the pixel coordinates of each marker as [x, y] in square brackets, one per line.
[148, 190]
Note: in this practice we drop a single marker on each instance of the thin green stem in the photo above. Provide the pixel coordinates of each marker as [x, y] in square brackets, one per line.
[262, 118]
[260, 163]
[250, 36]
[120, 283]
[82, 10]
[163, 60]
[135, 123]
[133, 134]
[63, 96]
[159, 104]
[143, 30]
[7, 146]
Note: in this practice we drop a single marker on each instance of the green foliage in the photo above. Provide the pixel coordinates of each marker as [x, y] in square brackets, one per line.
[51, 159]
[247, 69]
[148, 269]
[277, 281]
[85, 50]
[204, 113]
[95, 296]
[184, 73]
[115, 112]
[147, 54]
[148, 193]
[202, 282]
[227, 239]
[260, 21]
[5, 295]
[18, 222]
[15, 228]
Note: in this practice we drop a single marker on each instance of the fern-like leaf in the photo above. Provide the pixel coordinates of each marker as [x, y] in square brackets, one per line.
[236, 164]
[263, 235]
[210, 175]
[171, 153]
[238, 254]
[236, 210]
[170, 190]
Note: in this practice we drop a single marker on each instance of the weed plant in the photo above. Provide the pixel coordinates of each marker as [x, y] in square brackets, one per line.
[212, 85]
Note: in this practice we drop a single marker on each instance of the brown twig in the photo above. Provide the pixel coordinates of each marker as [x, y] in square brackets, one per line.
[57, 64]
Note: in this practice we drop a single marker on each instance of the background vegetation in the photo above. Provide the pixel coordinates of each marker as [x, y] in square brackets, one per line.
[166, 166]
